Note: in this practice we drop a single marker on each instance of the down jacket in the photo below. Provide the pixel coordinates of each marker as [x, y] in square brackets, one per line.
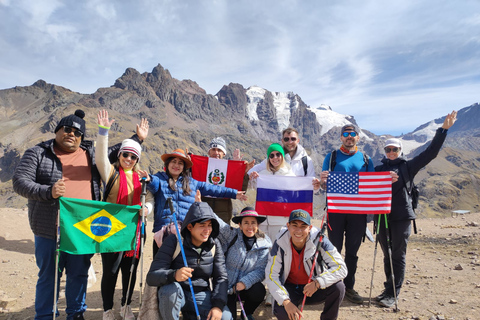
[207, 265]
[243, 266]
[181, 203]
[330, 271]
[34, 177]
[406, 170]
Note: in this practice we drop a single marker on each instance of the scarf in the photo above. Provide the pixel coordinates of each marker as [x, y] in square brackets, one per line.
[348, 152]
[122, 198]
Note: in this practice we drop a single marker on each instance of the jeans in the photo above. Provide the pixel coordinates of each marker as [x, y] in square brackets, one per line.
[76, 269]
[172, 299]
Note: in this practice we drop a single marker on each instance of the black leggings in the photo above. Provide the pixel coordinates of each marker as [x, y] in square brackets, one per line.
[252, 298]
[110, 275]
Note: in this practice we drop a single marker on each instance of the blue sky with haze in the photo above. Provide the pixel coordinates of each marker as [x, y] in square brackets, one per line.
[393, 65]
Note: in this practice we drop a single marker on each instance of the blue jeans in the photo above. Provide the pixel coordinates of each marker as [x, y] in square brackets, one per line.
[172, 299]
[76, 269]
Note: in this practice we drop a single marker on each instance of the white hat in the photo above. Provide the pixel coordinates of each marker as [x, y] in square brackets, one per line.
[129, 145]
[394, 143]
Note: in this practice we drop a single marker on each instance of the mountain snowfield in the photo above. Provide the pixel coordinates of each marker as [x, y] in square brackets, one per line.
[325, 116]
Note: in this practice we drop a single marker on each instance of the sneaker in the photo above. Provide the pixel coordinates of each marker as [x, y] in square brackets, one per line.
[126, 313]
[78, 316]
[381, 296]
[387, 302]
[108, 315]
[353, 296]
[268, 299]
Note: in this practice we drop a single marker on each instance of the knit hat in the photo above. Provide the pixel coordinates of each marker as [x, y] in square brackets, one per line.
[351, 126]
[275, 147]
[394, 143]
[301, 215]
[219, 143]
[132, 146]
[75, 121]
[248, 212]
[178, 153]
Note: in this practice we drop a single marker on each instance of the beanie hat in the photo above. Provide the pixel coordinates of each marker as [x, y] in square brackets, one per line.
[74, 120]
[275, 147]
[394, 143]
[132, 146]
[219, 143]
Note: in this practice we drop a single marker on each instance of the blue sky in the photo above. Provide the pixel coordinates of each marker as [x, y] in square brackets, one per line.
[392, 65]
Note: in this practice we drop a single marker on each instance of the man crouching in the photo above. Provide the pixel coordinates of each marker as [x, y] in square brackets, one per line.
[289, 266]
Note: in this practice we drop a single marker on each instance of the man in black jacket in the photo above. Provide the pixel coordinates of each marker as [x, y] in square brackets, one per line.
[63, 166]
[205, 261]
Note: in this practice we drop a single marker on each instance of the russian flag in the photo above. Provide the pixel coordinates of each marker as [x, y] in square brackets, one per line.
[280, 195]
[225, 173]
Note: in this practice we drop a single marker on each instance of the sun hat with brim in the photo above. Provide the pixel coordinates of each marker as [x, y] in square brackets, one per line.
[178, 153]
[248, 212]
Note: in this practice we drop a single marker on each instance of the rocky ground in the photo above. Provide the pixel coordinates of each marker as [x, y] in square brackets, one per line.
[442, 279]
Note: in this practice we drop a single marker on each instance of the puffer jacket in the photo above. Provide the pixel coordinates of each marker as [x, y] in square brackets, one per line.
[330, 271]
[206, 265]
[34, 177]
[181, 203]
[243, 266]
[407, 169]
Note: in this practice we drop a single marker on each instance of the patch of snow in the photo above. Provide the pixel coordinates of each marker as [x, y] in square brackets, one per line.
[428, 131]
[281, 102]
[255, 95]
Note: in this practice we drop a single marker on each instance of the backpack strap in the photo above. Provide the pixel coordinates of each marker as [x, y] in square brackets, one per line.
[109, 185]
[232, 242]
[409, 191]
[333, 160]
[177, 250]
[366, 160]
[305, 165]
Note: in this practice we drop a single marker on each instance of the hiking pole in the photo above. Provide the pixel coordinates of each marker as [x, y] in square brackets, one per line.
[57, 257]
[389, 244]
[140, 234]
[320, 239]
[374, 257]
[179, 239]
[241, 306]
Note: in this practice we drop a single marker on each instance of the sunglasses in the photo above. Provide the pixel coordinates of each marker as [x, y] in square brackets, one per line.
[352, 134]
[286, 139]
[132, 156]
[77, 133]
[394, 149]
[275, 155]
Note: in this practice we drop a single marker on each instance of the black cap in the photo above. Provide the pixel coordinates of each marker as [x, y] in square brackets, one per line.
[351, 126]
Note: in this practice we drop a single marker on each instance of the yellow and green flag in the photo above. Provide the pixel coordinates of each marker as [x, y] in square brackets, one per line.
[88, 226]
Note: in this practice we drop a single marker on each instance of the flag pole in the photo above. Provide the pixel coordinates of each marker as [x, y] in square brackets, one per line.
[55, 288]
[143, 194]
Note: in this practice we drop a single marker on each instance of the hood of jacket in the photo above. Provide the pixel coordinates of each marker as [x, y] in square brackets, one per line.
[298, 154]
[199, 212]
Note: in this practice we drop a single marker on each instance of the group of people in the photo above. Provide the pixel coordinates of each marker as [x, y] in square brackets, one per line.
[225, 264]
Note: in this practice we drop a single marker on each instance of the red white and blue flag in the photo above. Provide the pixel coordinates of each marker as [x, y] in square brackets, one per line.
[225, 173]
[360, 192]
[280, 195]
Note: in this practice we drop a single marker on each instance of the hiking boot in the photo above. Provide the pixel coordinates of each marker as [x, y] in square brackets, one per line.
[126, 313]
[353, 296]
[387, 302]
[108, 315]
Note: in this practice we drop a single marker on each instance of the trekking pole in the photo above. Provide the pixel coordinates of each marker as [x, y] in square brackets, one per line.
[389, 244]
[374, 257]
[179, 239]
[241, 306]
[57, 256]
[141, 235]
[320, 239]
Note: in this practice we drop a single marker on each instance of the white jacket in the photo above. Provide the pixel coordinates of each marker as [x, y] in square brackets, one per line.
[330, 271]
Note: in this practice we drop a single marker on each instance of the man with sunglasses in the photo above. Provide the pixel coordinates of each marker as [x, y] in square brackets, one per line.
[295, 155]
[353, 226]
[63, 166]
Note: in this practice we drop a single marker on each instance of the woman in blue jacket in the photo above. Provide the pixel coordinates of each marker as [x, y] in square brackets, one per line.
[176, 183]
[401, 215]
[246, 255]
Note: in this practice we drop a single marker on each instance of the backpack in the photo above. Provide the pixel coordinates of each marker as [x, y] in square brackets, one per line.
[305, 165]
[333, 161]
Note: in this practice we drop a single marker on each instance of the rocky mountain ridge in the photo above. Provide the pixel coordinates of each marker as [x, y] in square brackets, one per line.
[181, 114]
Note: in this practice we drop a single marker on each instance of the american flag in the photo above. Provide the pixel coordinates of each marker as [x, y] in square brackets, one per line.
[360, 192]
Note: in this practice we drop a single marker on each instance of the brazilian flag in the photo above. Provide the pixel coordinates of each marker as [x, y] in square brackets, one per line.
[88, 226]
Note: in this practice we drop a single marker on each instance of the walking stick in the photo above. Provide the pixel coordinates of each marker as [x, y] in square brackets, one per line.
[374, 258]
[179, 239]
[141, 234]
[57, 254]
[320, 239]
[387, 232]
[241, 306]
